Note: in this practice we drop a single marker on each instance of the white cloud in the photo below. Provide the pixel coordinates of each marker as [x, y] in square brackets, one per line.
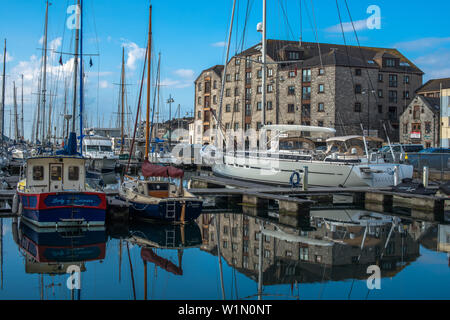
[185, 73]
[421, 44]
[348, 27]
[435, 65]
[104, 84]
[134, 54]
[219, 44]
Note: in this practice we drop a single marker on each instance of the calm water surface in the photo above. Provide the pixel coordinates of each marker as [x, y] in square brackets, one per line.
[315, 257]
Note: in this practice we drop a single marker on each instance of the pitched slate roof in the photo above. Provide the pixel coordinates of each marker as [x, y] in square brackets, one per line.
[335, 54]
[434, 85]
[218, 69]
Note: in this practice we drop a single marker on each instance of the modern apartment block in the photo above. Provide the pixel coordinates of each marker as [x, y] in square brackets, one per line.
[348, 88]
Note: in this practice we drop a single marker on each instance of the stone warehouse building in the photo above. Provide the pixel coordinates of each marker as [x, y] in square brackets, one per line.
[420, 122]
[311, 84]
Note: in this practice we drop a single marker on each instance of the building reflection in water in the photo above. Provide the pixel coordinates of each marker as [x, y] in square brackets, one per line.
[333, 245]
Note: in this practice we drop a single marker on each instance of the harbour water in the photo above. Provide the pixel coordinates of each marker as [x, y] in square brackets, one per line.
[325, 256]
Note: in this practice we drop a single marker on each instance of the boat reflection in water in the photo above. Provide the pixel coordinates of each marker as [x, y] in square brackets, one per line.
[156, 239]
[334, 245]
[59, 252]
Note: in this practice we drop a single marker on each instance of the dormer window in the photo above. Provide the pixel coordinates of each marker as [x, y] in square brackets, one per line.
[390, 62]
[293, 55]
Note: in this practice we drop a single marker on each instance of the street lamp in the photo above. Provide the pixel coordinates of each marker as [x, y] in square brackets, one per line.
[368, 92]
[170, 101]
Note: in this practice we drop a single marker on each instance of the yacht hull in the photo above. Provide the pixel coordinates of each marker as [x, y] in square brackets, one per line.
[321, 174]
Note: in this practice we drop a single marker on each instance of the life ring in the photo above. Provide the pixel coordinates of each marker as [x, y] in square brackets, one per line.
[295, 179]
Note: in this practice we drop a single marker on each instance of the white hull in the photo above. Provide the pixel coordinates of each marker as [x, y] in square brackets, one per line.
[320, 173]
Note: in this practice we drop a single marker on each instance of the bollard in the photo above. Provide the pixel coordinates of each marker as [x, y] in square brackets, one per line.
[426, 176]
[305, 179]
[396, 176]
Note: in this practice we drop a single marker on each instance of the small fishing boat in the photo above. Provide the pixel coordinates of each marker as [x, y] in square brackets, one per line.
[55, 193]
[160, 199]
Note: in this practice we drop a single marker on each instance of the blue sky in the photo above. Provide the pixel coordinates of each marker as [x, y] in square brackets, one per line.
[190, 36]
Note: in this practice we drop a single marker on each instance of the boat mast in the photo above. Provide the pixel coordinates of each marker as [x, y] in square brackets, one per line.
[75, 67]
[3, 95]
[44, 87]
[16, 122]
[263, 138]
[81, 77]
[149, 55]
[21, 118]
[123, 100]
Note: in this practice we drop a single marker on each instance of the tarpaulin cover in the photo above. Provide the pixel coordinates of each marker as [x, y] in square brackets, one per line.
[149, 256]
[153, 170]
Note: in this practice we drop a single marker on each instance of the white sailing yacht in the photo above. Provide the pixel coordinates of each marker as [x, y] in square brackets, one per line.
[285, 167]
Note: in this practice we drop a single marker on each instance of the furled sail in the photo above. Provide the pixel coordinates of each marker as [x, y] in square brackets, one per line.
[152, 170]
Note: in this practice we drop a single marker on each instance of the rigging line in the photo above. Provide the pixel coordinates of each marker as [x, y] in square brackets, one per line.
[316, 34]
[286, 20]
[247, 13]
[360, 49]
[138, 109]
[348, 57]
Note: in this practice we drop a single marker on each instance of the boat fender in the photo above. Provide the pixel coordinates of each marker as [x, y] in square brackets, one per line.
[295, 180]
[20, 210]
[15, 204]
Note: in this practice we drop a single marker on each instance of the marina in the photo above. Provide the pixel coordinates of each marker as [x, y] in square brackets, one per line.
[136, 166]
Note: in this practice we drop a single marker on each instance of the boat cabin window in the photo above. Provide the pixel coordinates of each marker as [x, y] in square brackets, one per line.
[158, 190]
[56, 173]
[92, 148]
[38, 173]
[74, 173]
[105, 148]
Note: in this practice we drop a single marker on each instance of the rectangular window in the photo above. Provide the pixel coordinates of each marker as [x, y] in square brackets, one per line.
[270, 88]
[228, 108]
[358, 72]
[259, 89]
[321, 88]
[291, 90]
[380, 93]
[236, 126]
[228, 92]
[292, 74]
[236, 77]
[321, 72]
[380, 77]
[321, 107]
[405, 95]
[228, 77]
[393, 80]
[306, 75]
[320, 123]
[380, 108]
[406, 79]
[38, 173]
[358, 107]
[405, 128]
[306, 94]
[258, 125]
[259, 106]
[56, 173]
[236, 107]
[390, 62]
[259, 74]
[237, 62]
[236, 92]
[304, 254]
[427, 127]
[269, 72]
[293, 55]
[248, 63]
[269, 105]
[358, 89]
[74, 173]
[393, 96]
[291, 108]
[248, 109]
